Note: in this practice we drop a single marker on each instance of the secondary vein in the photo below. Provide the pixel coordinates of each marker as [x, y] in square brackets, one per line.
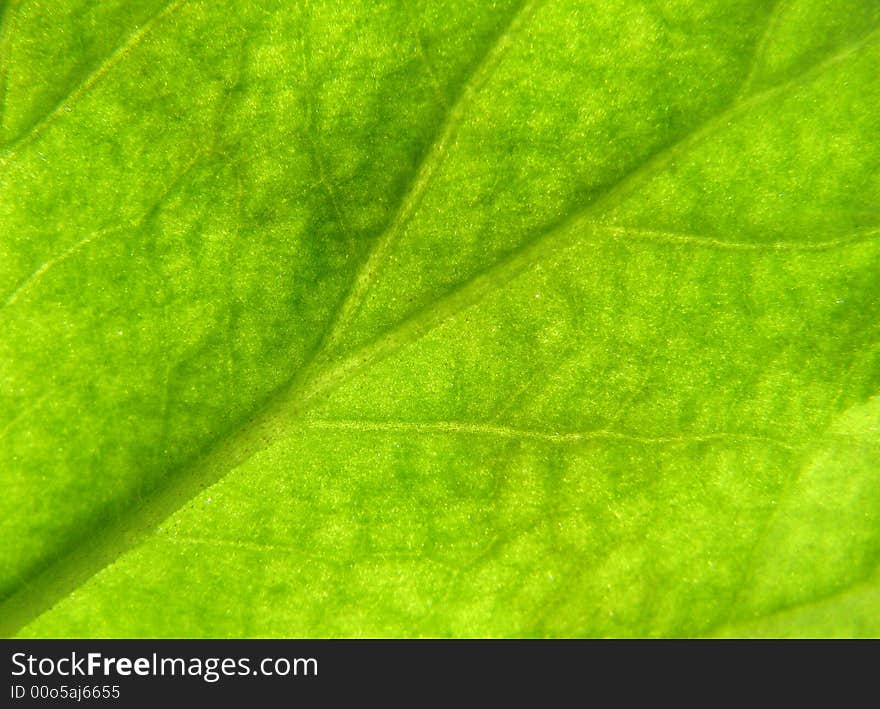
[131, 41]
[425, 173]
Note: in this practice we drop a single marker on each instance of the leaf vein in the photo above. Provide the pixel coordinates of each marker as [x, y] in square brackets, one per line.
[423, 176]
[129, 43]
[621, 232]
[556, 437]
[40, 272]
[772, 24]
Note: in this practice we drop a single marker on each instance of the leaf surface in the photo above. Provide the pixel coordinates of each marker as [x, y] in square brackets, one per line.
[445, 319]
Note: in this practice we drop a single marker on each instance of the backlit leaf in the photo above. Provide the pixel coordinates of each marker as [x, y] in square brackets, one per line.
[460, 318]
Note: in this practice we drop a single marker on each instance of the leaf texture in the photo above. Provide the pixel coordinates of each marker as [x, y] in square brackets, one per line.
[440, 318]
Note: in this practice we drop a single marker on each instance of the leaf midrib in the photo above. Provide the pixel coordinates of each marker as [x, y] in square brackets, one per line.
[292, 399]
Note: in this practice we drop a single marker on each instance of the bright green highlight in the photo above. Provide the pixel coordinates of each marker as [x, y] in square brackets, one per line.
[440, 318]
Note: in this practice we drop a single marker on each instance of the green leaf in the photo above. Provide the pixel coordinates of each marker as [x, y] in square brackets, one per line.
[440, 318]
